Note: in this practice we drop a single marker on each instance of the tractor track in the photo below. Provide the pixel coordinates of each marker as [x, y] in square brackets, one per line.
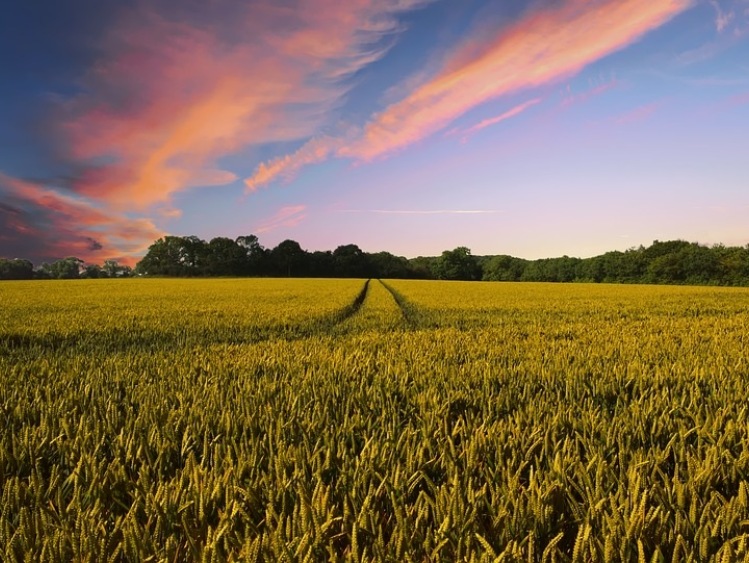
[332, 324]
[413, 317]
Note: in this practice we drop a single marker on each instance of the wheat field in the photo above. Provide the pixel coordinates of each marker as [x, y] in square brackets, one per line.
[368, 420]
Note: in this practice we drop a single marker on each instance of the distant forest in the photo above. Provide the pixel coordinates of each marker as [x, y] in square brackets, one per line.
[670, 262]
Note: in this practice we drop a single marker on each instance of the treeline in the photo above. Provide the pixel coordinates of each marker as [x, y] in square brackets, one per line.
[64, 269]
[670, 262]
[245, 256]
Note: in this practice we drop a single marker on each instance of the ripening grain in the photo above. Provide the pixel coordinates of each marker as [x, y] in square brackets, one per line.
[289, 420]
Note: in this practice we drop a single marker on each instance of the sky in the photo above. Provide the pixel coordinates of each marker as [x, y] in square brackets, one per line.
[530, 128]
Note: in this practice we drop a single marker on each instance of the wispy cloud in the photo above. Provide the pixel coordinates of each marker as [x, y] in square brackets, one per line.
[289, 216]
[517, 110]
[704, 52]
[639, 113]
[544, 46]
[172, 91]
[424, 211]
[316, 150]
[571, 98]
[171, 95]
[722, 17]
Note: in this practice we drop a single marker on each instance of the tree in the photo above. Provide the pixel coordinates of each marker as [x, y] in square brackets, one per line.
[351, 262]
[288, 258]
[225, 258]
[734, 264]
[16, 269]
[386, 265]
[67, 268]
[163, 258]
[422, 267]
[93, 271]
[321, 264]
[111, 268]
[503, 268]
[195, 255]
[175, 256]
[256, 257]
[457, 264]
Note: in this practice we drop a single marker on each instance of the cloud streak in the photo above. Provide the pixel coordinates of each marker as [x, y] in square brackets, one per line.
[170, 96]
[544, 46]
[289, 216]
[424, 211]
[316, 150]
[517, 110]
[571, 98]
[639, 113]
[722, 17]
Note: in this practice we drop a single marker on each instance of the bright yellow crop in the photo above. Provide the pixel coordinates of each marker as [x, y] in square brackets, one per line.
[333, 420]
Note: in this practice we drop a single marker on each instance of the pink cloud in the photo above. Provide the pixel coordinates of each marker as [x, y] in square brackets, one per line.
[171, 93]
[50, 224]
[517, 110]
[571, 98]
[722, 17]
[289, 216]
[169, 97]
[543, 47]
[546, 45]
[315, 150]
[639, 113]
[424, 211]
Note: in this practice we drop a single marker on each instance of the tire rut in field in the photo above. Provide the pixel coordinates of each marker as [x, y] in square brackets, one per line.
[413, 316]
[329, 324]
[21, 345]
[353, 308]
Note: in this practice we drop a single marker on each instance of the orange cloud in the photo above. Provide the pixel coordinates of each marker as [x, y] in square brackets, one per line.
[289, 216]
[543, 47]
[517, 110]
[169, 97]
[315, 150]
[45, 224]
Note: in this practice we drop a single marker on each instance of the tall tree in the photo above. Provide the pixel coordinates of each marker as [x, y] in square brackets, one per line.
[321, 264]
[457, 264]
[386, 265]
[504, 268]
[67, 268]
[16, 269]
[288, 259]
[351, 262]
[225, 258]
[256, 262]
[173, 256]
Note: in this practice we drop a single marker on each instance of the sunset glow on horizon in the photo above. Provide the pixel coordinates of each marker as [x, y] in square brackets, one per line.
[534, 129]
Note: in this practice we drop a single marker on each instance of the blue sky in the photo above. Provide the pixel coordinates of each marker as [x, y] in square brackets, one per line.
[527, 128]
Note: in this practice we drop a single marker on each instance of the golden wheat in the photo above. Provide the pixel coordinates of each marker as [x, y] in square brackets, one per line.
[333, 420]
